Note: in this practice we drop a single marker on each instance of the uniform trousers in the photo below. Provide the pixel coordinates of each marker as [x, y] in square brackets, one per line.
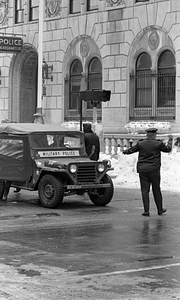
[148, 179]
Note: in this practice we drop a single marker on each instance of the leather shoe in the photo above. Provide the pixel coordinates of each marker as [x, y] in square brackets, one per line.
[146, 214]
[160, 212]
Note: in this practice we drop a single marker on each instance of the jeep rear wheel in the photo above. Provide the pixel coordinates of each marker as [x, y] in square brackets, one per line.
[2, 188]
[103, 196]
[50, 191]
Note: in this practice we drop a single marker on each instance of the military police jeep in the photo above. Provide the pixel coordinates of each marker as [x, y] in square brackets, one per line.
[52, 160]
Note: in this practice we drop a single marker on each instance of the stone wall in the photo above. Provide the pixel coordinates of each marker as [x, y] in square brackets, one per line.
[118, 29]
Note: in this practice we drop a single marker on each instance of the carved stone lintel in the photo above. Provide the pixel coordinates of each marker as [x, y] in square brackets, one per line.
[4, 10]
[52, 8]
[84, 48]
[153, 40]
[112, 3]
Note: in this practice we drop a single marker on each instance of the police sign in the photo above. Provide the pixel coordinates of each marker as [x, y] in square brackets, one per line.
[11, 44]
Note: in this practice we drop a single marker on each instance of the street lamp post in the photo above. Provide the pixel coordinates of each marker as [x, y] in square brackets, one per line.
[39, 115]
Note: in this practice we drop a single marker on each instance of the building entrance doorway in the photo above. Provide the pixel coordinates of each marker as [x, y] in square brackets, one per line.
[28, 90]
[24, 87]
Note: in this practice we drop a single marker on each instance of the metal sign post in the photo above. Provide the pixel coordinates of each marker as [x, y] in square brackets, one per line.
[80, 112]
[82, 89]
[39, 115]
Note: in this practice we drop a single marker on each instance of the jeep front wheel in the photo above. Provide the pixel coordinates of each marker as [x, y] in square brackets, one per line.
[102, 196]
[50, 191]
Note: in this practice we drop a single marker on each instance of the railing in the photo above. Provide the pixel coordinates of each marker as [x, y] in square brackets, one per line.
[115, 143]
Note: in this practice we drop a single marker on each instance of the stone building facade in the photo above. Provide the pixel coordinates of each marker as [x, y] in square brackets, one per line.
[131, 47]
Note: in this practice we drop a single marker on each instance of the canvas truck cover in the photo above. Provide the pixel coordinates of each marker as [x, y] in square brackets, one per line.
[27, 128]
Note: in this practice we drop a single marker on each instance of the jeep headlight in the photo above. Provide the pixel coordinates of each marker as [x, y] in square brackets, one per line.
[73, 169]
[101, 168]
[39, 164]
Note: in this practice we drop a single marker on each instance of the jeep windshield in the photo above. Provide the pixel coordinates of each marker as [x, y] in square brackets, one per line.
[58, 144]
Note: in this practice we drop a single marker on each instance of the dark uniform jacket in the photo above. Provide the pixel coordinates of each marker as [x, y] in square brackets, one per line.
[92, 145]
[149, 159]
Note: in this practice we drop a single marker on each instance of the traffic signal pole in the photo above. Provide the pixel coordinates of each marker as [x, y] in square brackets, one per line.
[93, 96]
[94, 113]
[80, 112]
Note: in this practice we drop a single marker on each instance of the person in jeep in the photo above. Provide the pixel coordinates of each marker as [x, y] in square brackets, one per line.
[91, 142]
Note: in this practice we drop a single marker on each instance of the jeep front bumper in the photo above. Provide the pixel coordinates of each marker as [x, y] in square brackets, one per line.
[87, 186]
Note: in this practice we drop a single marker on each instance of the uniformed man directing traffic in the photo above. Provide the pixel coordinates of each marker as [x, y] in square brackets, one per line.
[148, 167]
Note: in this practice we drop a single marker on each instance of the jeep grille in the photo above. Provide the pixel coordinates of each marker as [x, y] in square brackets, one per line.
[86, 173]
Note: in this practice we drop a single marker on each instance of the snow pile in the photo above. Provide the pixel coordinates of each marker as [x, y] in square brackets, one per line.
[124, 173]
[135, 127]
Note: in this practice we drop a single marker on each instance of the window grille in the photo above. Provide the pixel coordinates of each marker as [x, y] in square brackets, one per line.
[144, 106]
[75, 83]
[166, 88]
[94, 78]
[153, 90]
[143, 89]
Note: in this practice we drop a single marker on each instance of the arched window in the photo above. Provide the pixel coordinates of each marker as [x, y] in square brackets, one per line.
[143, 87]
[92, 80]
[166, 80]
[153, 89]
[75, 82]
[94, 76]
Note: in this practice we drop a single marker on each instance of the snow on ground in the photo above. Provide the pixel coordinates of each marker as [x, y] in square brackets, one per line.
[124, 173]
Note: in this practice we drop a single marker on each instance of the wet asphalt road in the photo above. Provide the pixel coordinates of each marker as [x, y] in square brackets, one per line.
[80, 251]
